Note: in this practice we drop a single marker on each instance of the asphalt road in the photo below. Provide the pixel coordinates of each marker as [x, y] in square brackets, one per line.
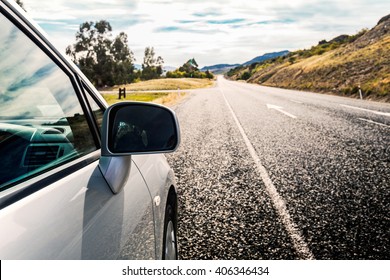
[266, 173]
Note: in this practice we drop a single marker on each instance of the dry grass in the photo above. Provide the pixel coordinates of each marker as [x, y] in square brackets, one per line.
[343, 55]
[170, 99]
[167, 84]
[165, 98]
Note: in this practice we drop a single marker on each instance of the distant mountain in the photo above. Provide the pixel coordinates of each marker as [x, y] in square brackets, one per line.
[265, 57]
[223, 68]
[219, 68]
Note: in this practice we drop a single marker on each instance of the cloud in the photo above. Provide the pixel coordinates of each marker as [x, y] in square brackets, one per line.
[186, 21]
[226, 21]
[212, 31]
[168, 29]
[206, 14]
[265, 22]
[186, 30]
[86, 10]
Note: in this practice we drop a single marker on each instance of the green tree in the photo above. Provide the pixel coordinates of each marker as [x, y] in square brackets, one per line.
[209, 75]
[123, 60]
[152, 68]
[190, 67]
[91, 52]
[190, 70]
[103, 69]
[103, 60]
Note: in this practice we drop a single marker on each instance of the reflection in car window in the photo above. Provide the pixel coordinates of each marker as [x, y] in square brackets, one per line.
[96, 109]
[41, 121]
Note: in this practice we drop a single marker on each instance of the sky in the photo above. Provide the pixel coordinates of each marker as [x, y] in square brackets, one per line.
[211, 31]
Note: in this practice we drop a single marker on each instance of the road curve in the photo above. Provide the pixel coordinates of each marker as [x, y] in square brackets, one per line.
[266, 173]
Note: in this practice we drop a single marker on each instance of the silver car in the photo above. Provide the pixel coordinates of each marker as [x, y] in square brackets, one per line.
[78, 179]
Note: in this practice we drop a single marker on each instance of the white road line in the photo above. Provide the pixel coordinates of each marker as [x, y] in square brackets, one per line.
[279, 204]
[370, 121]
[298, 102]
[278, 108]
[367, 110]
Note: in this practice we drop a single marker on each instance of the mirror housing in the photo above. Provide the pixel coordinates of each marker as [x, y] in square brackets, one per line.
[132, 128]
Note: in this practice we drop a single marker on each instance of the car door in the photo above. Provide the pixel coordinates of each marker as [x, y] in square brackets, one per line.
[54, 201]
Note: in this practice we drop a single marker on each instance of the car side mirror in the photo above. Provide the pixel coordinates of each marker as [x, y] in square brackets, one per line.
[131, 128]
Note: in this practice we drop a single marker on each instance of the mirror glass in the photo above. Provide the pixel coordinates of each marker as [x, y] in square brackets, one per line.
[142, 128]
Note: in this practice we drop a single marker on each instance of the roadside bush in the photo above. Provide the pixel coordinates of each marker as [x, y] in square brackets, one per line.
[245, 76]
[209, 75]
[234, 71]
[195, 74]
[176, 74]
[291, 59]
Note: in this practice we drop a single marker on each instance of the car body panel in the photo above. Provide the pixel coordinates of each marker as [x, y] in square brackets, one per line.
[150, 165]
[78, 217]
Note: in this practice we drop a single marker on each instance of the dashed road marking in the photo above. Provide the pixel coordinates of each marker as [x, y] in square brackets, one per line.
[366, 110]
[300, 245]
[278, 108]
[370, 121]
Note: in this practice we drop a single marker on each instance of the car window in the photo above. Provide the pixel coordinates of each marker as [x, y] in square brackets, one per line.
[42, 124]
[96, 109]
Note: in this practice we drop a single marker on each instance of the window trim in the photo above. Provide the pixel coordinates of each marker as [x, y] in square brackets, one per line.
[86, 90]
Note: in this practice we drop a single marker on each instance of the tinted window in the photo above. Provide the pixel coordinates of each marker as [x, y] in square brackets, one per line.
[42, 123]
[96, 109]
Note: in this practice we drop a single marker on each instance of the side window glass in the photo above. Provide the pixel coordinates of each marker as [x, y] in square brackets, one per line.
[96, 109]
[42, 124]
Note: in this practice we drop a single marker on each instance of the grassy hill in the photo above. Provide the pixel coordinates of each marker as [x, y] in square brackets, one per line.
[339, 66]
